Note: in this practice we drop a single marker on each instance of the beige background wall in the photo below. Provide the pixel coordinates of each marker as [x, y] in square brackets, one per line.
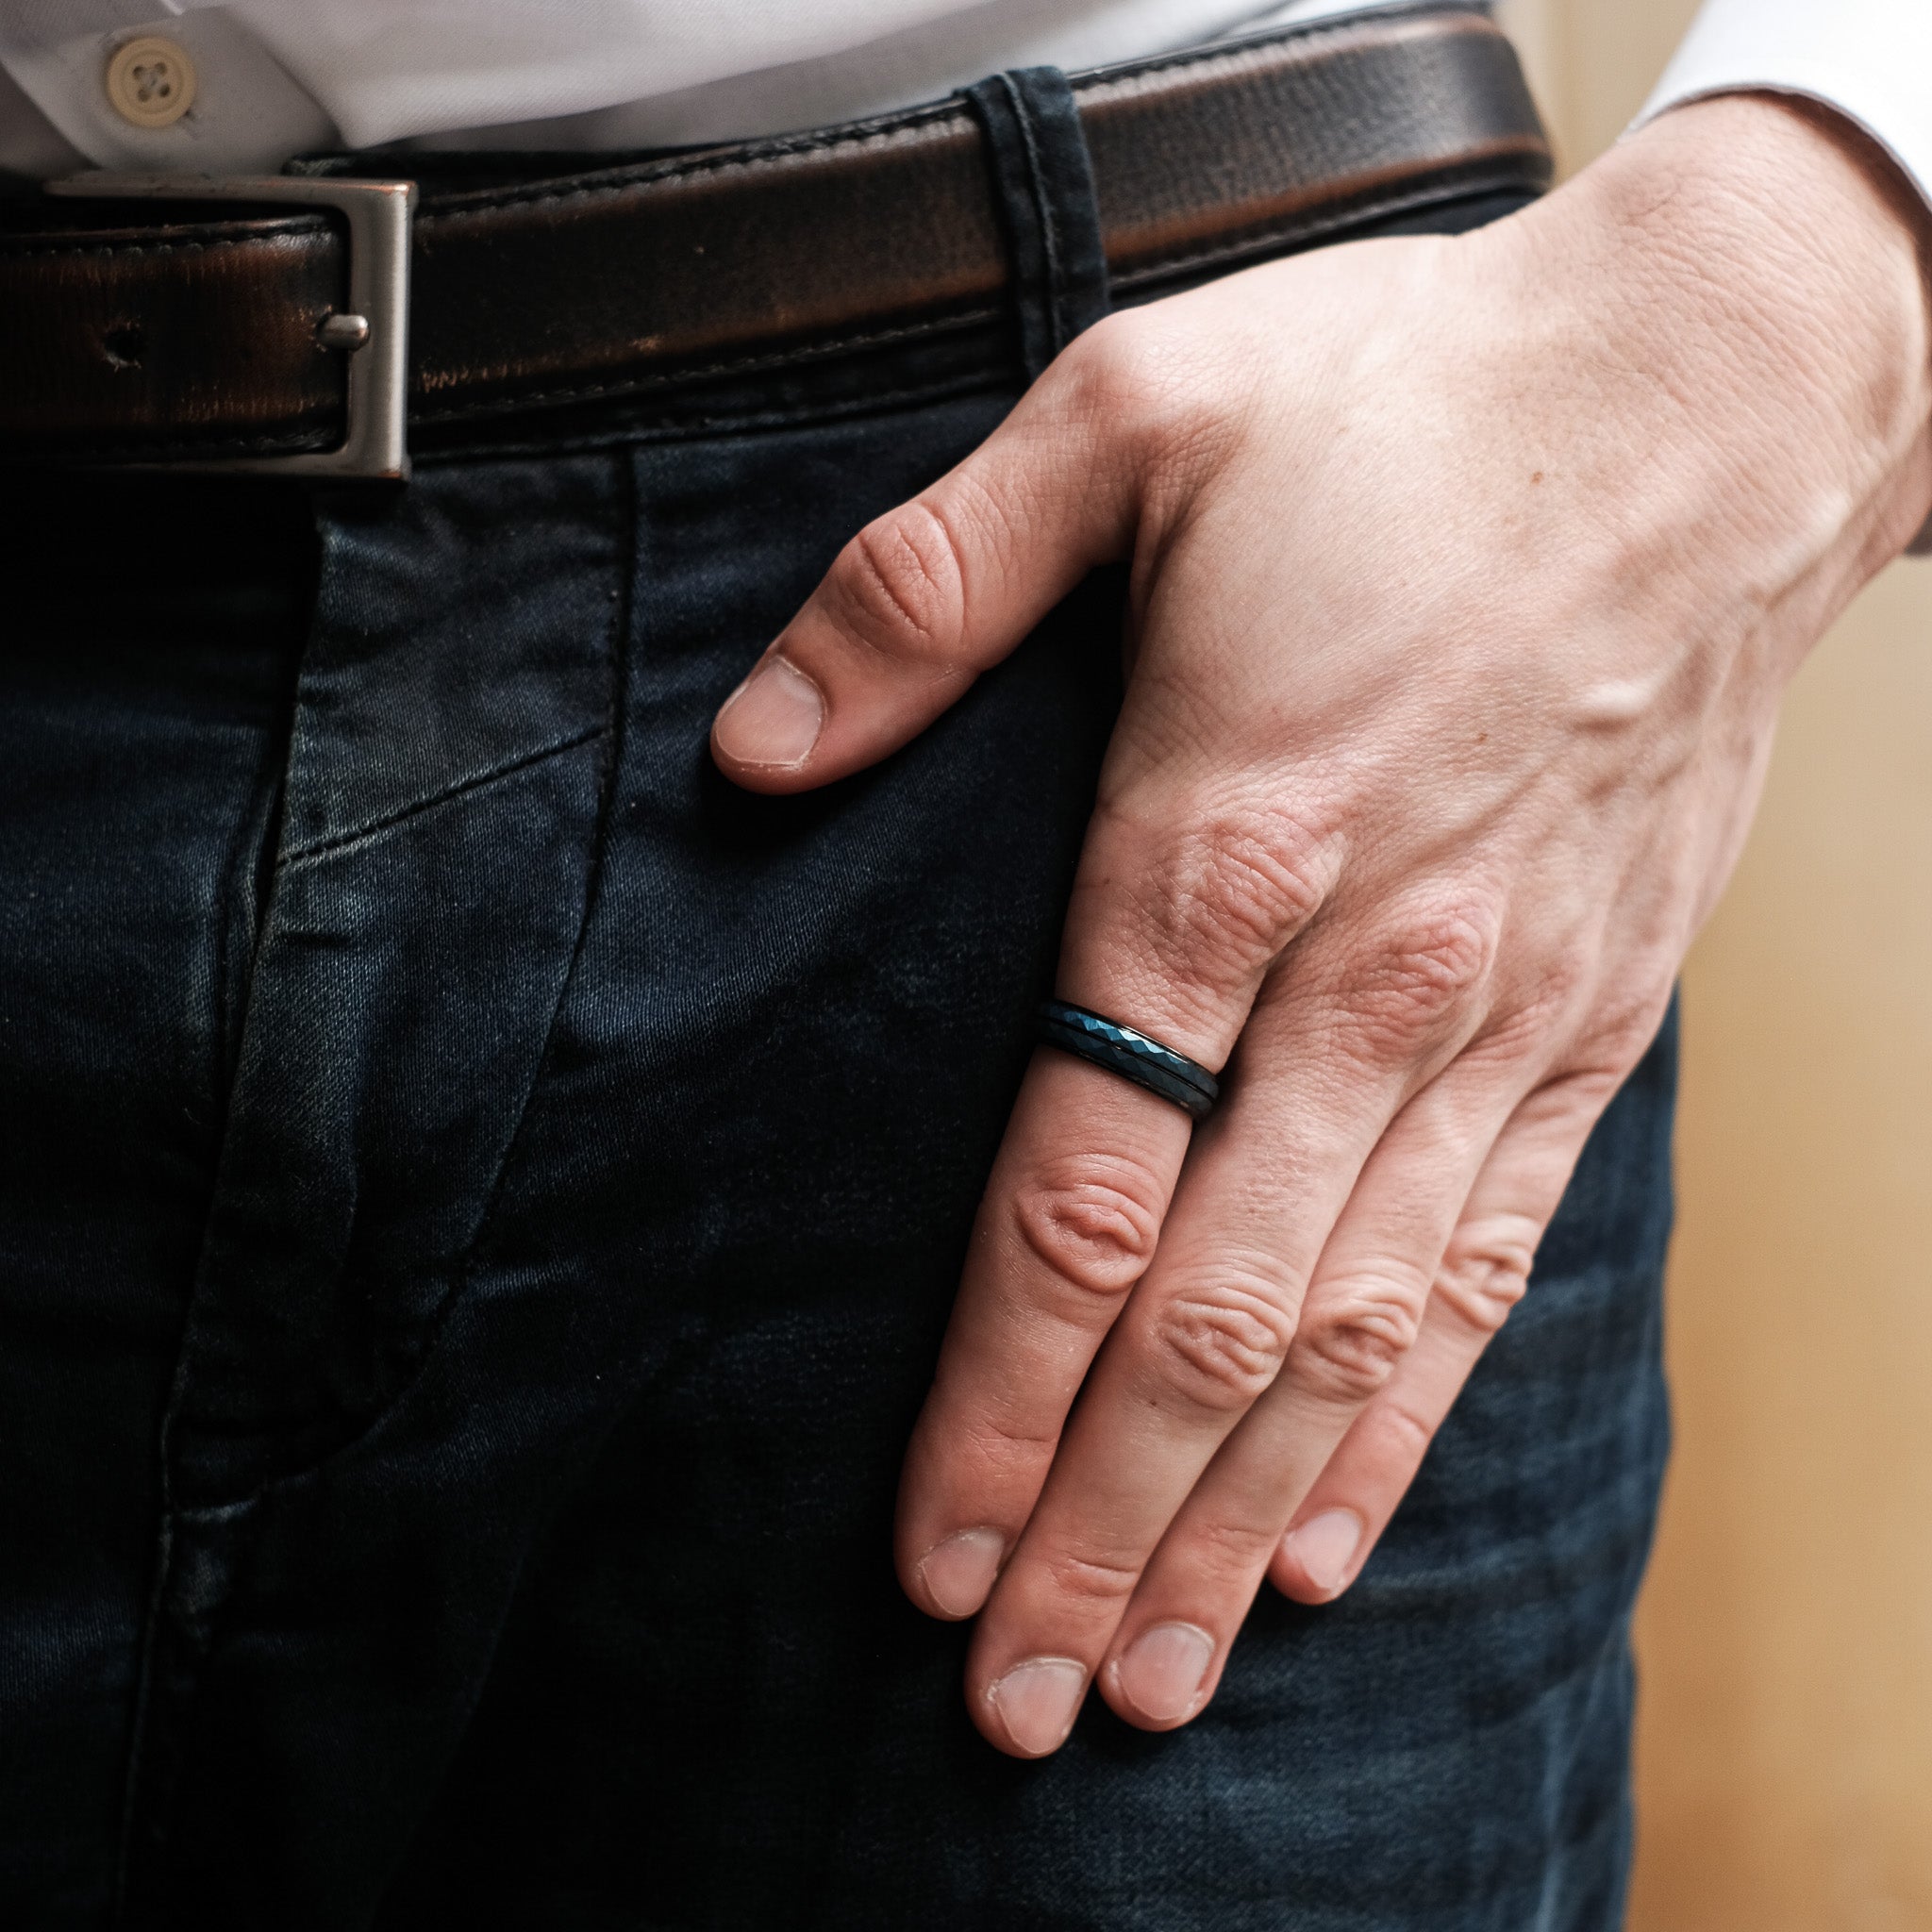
[1785, 1731]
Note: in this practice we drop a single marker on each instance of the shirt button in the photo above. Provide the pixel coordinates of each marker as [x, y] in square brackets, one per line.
[151, 81]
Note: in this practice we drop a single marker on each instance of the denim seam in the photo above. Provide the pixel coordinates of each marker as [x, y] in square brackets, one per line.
[341, 842]
[143, 1698]
[240, 872]
[1043, 208]
[240, 1508]
[611, 732]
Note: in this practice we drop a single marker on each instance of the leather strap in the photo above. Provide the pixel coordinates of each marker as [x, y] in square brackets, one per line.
[198, 337]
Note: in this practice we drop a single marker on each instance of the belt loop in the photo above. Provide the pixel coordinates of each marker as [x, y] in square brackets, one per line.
[1044, 183]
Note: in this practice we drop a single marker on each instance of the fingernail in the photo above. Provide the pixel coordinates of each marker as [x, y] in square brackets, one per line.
[1037, 1702]
[1325, 1545]
[773, 718]
[1161, 1671]
[959, 1573]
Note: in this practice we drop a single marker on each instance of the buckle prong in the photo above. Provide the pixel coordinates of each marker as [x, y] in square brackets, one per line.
[346, 333]
[371, 331]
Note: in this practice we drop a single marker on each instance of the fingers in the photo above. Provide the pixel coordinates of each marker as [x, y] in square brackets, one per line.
[1223, 1310]
[1075, 1208]
[1481, 1279]
[1365, 1305]
[1200, 1336]
[1345, 1512]
[932, 594]
[1420, 1270]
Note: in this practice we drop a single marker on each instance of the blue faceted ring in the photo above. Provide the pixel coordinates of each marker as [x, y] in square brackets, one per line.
[1132, 1056]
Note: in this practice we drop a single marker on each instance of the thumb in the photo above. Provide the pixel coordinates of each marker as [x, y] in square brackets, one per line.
[930, 595]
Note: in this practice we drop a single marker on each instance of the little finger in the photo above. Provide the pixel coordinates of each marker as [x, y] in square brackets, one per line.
[1484, 1273]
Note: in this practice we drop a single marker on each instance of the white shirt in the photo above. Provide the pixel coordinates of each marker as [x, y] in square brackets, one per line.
[277, 78]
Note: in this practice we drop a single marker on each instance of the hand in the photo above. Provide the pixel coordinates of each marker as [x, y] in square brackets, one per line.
[1467, 576]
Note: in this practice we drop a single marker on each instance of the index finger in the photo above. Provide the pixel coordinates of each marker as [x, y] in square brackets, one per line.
[1074, 1210]
[1071, 1216]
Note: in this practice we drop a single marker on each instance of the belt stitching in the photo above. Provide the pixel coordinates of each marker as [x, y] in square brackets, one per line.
[1370, 26]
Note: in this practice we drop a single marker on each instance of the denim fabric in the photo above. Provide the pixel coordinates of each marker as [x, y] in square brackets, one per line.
[479, 1201]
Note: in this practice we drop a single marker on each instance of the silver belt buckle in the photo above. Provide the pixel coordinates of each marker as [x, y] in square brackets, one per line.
[372, 333]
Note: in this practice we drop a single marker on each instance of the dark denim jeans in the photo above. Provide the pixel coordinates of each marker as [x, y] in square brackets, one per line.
[478, 1203]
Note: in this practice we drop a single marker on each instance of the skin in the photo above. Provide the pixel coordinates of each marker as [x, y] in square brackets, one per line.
[1467, 577]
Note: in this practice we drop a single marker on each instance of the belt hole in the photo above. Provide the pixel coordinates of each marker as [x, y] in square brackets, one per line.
[125, 344]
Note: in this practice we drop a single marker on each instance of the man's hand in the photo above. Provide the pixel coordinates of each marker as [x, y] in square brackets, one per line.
[1467, 576]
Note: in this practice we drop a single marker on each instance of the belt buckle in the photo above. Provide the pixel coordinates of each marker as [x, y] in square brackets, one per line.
[372, 333]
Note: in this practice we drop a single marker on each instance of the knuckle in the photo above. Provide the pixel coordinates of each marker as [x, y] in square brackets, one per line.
[1094, 1220]
[995, 1455]
[1406, 1430]
[1486, 1270]
[1621, 1033]
[1230, 1556]
[1225, 898]
[1100, 1580]
[1351, 1344]
[1219, 1344]
[1533, 1020]
[1420, 979]
[899, 587]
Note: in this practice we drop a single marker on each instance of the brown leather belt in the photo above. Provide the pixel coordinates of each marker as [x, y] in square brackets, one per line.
[209, 336]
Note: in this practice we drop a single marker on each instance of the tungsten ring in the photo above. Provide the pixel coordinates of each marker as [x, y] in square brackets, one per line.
[1131, 1055]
